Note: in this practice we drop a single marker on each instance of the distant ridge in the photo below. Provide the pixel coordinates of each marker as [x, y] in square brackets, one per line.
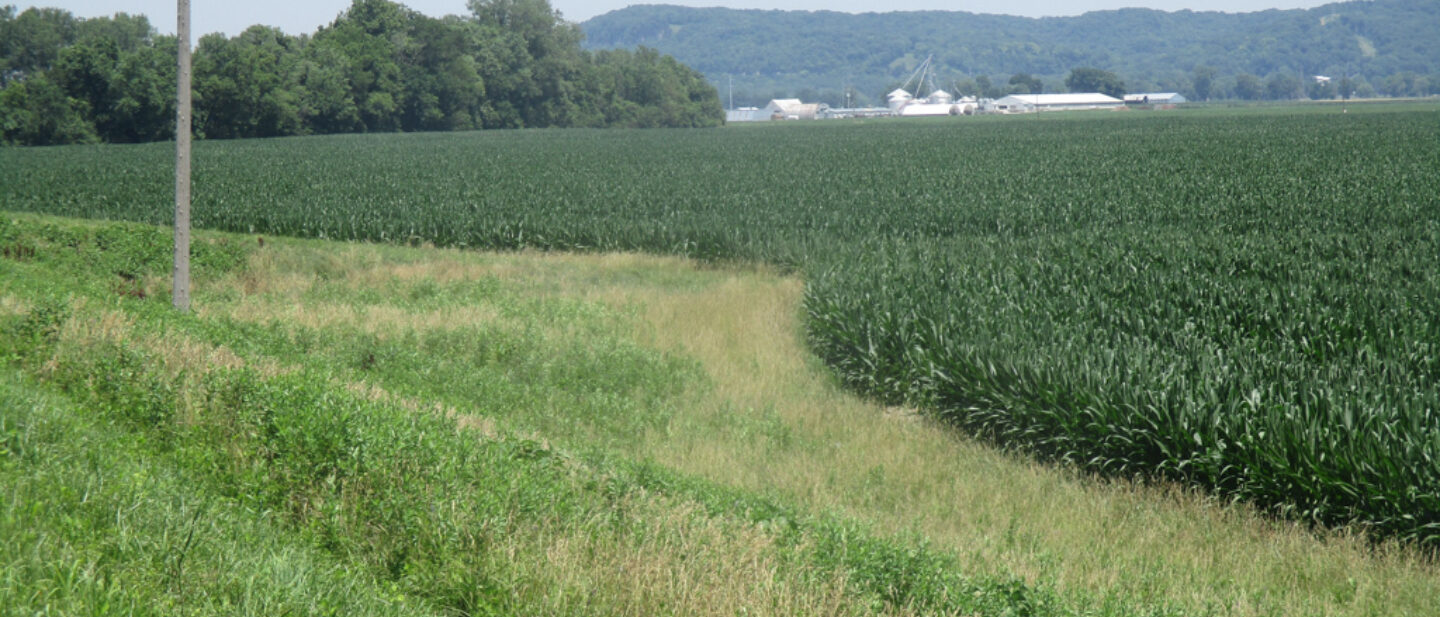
[1388, 47]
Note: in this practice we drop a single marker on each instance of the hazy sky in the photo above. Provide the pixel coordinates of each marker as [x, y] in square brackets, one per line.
[303, 16]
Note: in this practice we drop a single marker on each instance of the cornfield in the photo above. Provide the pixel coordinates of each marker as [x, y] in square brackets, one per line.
[1246, 302]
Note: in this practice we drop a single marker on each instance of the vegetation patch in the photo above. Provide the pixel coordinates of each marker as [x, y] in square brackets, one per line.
[175, 474]
[378, 67]
[1233, 300]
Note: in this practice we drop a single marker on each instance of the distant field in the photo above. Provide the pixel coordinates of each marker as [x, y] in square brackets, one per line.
[1245, 301]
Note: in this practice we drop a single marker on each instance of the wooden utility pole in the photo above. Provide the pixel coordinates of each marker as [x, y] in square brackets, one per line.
[181, 290]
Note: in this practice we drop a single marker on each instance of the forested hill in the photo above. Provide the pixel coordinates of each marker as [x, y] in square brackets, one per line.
[379, 67]
[1391, 47]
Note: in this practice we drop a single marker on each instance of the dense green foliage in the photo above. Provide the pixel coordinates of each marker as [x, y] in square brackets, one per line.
[198, 489]
[1089, 79]
[1247, 302]
[379, 68]
[1388, 47]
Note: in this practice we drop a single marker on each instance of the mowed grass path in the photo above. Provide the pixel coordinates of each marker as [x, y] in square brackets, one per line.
[773, 420]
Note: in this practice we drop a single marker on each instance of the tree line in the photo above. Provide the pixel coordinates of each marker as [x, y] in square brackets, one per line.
[380, 67]
[1369, 48]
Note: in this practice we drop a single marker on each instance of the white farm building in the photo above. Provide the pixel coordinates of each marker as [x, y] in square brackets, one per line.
[790, 109]
[1155, 98]
[777, 109]
[744, 114]
[1025, 103]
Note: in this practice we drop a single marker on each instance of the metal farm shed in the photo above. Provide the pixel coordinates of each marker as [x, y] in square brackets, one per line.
[1022, 103]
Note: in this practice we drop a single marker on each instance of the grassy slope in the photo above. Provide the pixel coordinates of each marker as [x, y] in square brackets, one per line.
[95, 524]
[622, 358]
[155, 463]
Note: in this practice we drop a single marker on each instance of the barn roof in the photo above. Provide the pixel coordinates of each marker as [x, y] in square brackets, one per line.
[1152, 96]
[786, 104]
[1074, 98]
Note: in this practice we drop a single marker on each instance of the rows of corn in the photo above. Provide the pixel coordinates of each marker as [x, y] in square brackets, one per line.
[1247, 302]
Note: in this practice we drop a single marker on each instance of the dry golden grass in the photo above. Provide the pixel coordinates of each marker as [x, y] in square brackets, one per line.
[479, 425]
[678, 561]
[776, 422]
[176, 354]
[382, 321]
[98, 325]
[13, 305]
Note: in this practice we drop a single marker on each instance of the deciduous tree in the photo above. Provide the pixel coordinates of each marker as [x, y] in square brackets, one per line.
[1088, 79]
